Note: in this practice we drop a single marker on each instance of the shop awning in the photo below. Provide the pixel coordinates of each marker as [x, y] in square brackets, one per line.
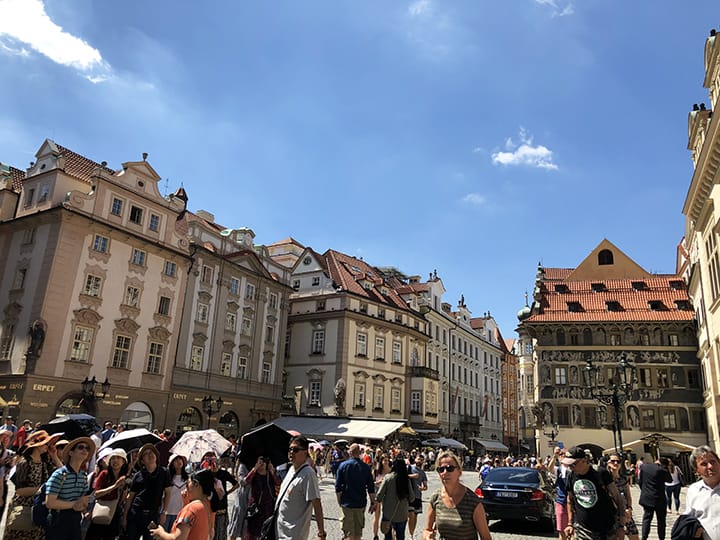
[490, 445]
[329, 427]
[425, 431]
[444, 442]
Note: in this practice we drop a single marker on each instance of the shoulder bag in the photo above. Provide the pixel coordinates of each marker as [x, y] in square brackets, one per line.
[269, 526]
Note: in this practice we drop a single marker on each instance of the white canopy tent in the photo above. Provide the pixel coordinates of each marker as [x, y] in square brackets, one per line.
[657, 439]
[443, 442]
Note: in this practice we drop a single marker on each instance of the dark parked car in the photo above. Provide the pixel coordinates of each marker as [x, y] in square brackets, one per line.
[518, 493]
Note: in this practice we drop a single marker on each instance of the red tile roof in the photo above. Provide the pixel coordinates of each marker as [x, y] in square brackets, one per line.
[17, 176]
[347, 272]
[79, 166]
[634, 304]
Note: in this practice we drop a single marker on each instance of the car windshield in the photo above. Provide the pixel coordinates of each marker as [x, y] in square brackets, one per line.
[510, 474]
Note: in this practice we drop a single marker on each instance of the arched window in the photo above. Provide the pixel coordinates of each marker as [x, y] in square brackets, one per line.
[560, 337]
[605, 257]
[137, 415]
[587, 337]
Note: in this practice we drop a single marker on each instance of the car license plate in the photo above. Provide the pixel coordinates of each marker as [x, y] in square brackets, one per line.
[511, 494]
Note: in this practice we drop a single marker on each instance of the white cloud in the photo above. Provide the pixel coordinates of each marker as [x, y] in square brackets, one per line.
[558, 10]
[525, 153]
[474, 198]
[27, 22]
[419, 7]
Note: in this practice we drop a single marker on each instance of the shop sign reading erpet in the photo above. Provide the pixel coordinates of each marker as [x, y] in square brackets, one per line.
[44, 387]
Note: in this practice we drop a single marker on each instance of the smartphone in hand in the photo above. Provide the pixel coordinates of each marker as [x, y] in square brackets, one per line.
[152, 525]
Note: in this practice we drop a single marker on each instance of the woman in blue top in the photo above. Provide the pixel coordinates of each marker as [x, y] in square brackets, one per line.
[67, 491]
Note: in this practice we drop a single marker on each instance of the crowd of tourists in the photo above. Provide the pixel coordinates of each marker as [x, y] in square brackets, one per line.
[151, 494]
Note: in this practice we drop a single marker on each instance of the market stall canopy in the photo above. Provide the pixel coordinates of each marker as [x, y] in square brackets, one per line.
[330, 427]
[656, 439]
[490, 445]
[442, 442]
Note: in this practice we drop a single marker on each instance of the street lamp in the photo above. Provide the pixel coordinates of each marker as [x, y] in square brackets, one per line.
[211, 406]
[616, 393]
[87, 388]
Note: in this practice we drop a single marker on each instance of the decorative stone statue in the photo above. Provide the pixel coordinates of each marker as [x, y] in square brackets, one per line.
[340, 396]
[36, 333]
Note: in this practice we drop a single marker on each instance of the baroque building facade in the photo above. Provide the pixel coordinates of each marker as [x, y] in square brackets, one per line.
[605, 309]
[699, 253]
[91, 280]
[350, 339]
[231, 340]
[106, 279]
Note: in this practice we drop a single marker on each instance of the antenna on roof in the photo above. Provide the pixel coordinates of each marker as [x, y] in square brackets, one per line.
[166, 187]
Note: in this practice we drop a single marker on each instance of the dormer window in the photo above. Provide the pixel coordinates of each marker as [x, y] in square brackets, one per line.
[29, 196]
[562, 288]
[613, 305]
[639, 285]
[683, 305]
[605, 257]
[676, 285]
[656, 305]
[598, 287]
[574, 307]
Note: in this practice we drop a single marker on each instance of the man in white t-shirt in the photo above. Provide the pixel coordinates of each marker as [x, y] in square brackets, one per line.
[299, 496]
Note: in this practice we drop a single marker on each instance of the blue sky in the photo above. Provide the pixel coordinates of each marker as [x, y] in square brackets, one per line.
[472, 137]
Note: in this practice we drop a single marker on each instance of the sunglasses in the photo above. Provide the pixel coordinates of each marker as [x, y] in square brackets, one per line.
[613, 461]
[294, 449]
[81, 447]
[448, 468]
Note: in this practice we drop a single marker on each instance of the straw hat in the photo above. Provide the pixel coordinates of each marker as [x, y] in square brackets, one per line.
[72, 444]
[39, 438]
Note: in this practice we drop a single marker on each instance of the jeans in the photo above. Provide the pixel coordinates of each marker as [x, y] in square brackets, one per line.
[661, 513]
[137, 524]
[399, 527]
[65, 525]
[673, 492]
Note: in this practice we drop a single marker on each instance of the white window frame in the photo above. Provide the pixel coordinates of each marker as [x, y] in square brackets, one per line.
[397, 352]
[155, 357]
[234, 286]
[266, 372]
[230, 321]
[138, 257]
[273, 300]
[242, 368]
[93, 286]
[250, 291]
[154, 223]
[225, 364]
[318, 342]
[101, 243]
[315, 392]
[379, 348]
[416, 402]
[116, 206]
[361, 344]
[202, 313]
[82, 344]
[359, 395]
[378, 397]
[136, 214]
[121, 351]
[170, 269]
[395, 399]
[247, 326]
[196, 357]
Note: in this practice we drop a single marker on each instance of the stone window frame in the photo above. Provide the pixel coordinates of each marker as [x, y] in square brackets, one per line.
[86, 318]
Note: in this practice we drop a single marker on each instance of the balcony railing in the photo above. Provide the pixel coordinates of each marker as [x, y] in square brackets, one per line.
[422, 371]
[471, 420]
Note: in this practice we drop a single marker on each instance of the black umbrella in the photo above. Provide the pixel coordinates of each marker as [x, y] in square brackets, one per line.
[268, 440]
[72, 425]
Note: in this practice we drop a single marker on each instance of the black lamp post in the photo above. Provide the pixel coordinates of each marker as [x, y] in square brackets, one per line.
[87, 388]
[616, 393]
[211, 406]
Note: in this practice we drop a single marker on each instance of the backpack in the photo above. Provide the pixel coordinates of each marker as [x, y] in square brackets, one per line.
[40, 513]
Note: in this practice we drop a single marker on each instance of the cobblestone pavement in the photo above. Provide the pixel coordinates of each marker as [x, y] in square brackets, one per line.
[500, 530]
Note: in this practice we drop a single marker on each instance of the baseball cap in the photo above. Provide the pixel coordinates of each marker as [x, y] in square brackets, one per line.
[573, 454]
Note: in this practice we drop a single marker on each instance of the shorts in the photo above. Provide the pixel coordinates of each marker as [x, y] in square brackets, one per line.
[561, 517]
[352, 521]
[415, 506]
